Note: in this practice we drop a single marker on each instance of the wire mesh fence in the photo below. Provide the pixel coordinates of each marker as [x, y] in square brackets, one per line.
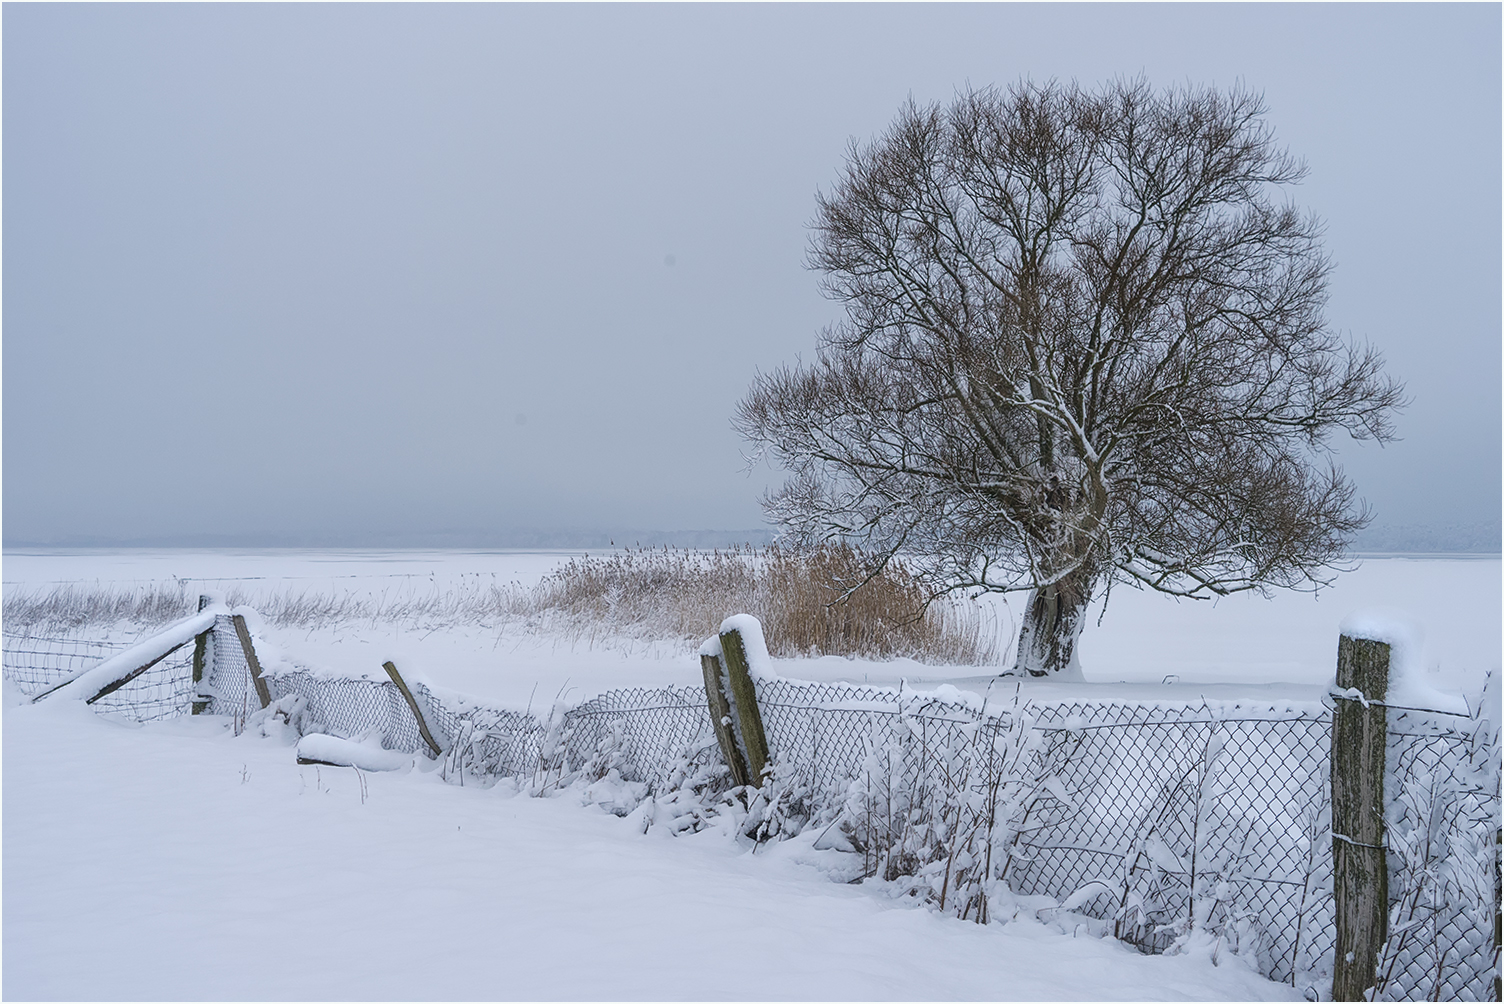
[1195, 802]
[1148, 817]
[35, 663]
[637, 732]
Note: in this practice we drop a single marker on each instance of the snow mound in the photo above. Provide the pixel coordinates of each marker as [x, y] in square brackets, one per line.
[346, 753]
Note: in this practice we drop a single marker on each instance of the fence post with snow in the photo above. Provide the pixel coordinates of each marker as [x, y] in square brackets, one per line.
[730, 662]
[201, 658]
[720, 711]
[1360, 871]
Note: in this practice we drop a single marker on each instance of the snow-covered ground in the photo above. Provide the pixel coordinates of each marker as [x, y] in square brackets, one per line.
[179, 861]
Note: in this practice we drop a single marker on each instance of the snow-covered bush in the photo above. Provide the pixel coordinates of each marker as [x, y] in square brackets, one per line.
[1443, 829]
[553, 769]
[940, 809]
[694, 792]
[287, 718]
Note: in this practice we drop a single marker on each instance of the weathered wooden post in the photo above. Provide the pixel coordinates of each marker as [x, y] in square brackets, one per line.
[1360, 872]
[412, 705]
[200, 654]
[252, 663]
[720, 717]
[744, 693]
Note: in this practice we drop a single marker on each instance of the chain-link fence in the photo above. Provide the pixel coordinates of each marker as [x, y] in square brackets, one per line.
[1443, 831]
[1150, 805]
[1151, 817]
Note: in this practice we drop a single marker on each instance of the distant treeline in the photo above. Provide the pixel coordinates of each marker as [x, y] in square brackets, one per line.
[1400, 538]
[568, 539]
[1430, 538]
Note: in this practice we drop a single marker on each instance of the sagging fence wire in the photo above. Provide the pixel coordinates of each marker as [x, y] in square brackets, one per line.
[1155, 822]
[35, 663]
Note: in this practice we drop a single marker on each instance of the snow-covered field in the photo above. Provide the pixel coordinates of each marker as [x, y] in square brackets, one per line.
[1285, 644]
[179, 861]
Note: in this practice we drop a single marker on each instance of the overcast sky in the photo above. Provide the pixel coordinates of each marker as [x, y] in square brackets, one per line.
[349, 274]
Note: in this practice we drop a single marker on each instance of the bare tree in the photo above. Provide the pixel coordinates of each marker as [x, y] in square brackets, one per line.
[1084, 343]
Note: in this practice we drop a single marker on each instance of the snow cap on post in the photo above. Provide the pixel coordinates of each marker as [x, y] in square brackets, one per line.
[1384, 626]
[1408, 686]
[759, 663]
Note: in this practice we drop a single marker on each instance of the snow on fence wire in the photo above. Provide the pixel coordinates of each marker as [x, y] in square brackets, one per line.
[1443, 834]
[1139, 805]
[35, 663]
[1136, 814]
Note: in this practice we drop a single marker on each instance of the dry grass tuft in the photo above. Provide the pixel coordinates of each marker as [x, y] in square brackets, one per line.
[817, 602]
[68, 608]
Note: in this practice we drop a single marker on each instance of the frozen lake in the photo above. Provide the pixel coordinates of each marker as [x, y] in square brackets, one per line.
[1285, 643]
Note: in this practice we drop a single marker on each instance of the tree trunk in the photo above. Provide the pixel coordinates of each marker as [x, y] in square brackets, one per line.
[1053, 620]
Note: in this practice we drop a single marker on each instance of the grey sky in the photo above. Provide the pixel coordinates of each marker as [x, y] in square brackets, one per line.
[347, 274]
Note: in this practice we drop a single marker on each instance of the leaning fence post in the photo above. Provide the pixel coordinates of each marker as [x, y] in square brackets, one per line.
[412, 705]
[252, 663]
[748, 715]
[1360, 873]
[720, 717]
[200, 654]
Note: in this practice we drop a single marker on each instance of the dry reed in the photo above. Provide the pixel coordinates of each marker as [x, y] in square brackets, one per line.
[825, 601]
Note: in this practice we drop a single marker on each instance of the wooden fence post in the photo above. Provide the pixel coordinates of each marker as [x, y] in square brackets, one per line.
[720, 717]
[200, 652]
[254, 664]
[748, 715]
[1360, 873]
[412, 705]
